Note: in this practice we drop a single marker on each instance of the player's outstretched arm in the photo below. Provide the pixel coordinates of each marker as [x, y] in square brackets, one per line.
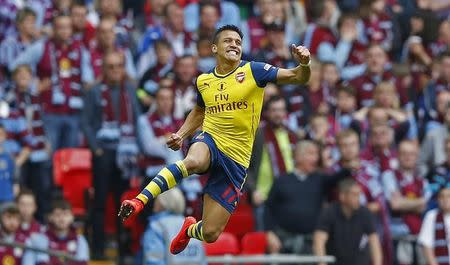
[299, 74]
[193, 121]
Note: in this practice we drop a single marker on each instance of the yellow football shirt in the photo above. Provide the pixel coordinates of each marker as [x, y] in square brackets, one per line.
[233, 104]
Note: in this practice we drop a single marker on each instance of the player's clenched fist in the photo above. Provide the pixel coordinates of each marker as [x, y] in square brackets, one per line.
[130, 207]
[301, 54]
[174, 142]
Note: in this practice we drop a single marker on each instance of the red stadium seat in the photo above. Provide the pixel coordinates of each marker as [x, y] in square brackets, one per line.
[254, 243]
[226, 244]
[72, 172]
[241, 221]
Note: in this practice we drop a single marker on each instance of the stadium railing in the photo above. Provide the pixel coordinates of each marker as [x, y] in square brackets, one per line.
[63, 256]
[269, 259]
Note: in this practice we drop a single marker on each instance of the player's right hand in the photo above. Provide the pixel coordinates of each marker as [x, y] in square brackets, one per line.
[174, 142]
[130, 207]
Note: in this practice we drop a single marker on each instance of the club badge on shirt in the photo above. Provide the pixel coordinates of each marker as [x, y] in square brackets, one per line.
[64, 68]
[240, 77]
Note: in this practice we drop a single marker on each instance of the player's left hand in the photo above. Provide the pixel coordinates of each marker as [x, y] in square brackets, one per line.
[301, 54]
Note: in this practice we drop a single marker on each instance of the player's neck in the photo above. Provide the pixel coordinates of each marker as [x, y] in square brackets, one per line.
[224, 68]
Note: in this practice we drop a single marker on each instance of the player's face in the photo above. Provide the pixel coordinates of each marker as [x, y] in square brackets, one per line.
[229, 46]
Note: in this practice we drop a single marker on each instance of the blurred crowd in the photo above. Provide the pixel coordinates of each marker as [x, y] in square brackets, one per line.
[118, 77]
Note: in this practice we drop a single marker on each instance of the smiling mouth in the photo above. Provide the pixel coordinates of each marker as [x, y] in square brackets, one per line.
[233, 52]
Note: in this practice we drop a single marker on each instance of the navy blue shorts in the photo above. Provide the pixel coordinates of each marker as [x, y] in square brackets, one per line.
[226, 176]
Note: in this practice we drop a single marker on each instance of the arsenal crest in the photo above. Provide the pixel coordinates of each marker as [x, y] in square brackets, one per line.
[240, 77]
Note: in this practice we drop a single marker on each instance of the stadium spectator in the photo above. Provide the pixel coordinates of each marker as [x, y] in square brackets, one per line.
[206, 59]
[405, 191]
[432, 151]
[155, 15]
[35, 173]
[347, 230]
[439, 175]
[9, 227]
[149, 83]
[83, 30]
[62, 66]
[345, 106]
[434, 117]
[379, 149]
[109, 121]
[376, 62]
[61, 235]
[349, 52]
[162, 227]
[367, 174]
[153, 129]
[9, 183]
[433, 235]
[229, 14]
[185, 93]
[26, 203]
[273, 156]
[13, 45]
[104, 43]
[301, 194]
[209, 17]
[324, 15]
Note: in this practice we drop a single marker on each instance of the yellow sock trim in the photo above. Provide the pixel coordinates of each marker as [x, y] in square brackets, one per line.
[143, 198]
[182, 167]
[153, 188]
[168, 176]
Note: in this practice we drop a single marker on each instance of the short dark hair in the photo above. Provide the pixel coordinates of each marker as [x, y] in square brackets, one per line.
[61, 204]
[227, 27]
[25, 12]
[345, 184]
[25, 192]
[273, 99]
[347, 89]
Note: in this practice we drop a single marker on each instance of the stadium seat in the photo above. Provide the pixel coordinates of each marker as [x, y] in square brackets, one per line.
[254, 243]
[242, 221]
[72, 173]
[226, 244]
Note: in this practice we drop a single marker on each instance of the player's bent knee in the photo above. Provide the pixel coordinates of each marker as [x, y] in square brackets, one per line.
[195, 165]
[211, 235]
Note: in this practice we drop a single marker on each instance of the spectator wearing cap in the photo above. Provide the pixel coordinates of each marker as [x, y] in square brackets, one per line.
[434, 236]
[9, 227]
[349, 52]
[35, 173]
[109, 124]
[63, 66]
[162, 227]
[301, 194]
[228, 14]
[347, 230]
[83, 30]
[153, 129]
[61, 235]
[432, 150]
[273, 153]
[104, 43]
[376, 61]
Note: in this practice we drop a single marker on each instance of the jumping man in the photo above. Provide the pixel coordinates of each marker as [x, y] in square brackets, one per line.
[229, 103]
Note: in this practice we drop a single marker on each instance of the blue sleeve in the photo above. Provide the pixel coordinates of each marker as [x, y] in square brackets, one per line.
[87, 73]
[264, 73]
[200, 101]
[31, 56]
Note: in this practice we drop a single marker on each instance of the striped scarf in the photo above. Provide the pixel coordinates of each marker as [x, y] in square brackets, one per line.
[441, 250]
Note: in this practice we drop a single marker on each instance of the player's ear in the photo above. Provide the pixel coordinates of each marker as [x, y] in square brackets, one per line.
[214, 48]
